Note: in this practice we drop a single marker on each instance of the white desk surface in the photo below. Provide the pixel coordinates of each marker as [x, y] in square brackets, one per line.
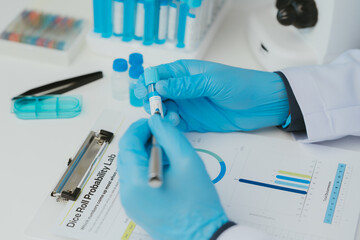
[34, 153]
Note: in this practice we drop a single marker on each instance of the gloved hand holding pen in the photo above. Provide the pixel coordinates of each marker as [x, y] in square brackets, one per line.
[179, 209]
[206, 96]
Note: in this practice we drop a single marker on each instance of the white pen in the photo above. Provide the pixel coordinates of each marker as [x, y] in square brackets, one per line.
[155, 162]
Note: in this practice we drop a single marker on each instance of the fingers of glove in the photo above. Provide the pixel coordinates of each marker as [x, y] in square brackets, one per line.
[176, 146]
[194, 67]
[172, 116]
[182, 68]
[171, 70]
[185, 87]
[140, 88]
[175, 69]
[133, 153]
[171, 112]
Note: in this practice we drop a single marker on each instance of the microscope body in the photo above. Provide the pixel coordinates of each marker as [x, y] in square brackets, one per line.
[303, 32]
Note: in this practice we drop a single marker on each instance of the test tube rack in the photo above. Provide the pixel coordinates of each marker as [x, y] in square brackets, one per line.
[114, 40]
[46, 37]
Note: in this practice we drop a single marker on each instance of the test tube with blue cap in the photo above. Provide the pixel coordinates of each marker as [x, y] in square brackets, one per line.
[150, 19]
[129, 20]
[107, 19]
[155, 177]
[140, 20]
[118, 19]
[182, 23]
[134, 74]
[181, 26]
[103, 17]
[98, 15]
[119, 83]
[163, 21]
[136, 59]
[136, 69]
[172, 20]
[193, 25]
[151, 77]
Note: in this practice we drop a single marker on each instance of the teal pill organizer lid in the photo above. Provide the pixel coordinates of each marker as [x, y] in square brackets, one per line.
[47, 107]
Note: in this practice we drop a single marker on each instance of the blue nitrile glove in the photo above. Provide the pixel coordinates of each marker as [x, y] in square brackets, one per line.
[186, 206]
[206, 96]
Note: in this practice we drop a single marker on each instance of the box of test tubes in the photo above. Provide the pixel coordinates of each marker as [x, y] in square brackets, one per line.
[162, 30]
[45, 37]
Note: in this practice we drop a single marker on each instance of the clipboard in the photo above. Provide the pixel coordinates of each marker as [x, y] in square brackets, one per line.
[244, 178]
[42, 223]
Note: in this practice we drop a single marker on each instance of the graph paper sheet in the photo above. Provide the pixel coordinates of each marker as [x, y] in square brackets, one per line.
[287, 189]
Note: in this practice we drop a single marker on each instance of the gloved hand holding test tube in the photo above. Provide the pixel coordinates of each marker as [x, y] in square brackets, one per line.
[155, 163]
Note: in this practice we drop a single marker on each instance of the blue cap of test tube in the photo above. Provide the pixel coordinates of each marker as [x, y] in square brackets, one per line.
[136, 59]
[120, 65]
[194, 3]
[136, 71]
[151, 75]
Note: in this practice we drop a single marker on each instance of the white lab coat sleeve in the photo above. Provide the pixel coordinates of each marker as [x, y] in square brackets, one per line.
[329, 96]
[239, 232]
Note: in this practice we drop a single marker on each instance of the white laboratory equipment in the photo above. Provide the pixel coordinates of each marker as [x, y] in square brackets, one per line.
[162, 30]
[303, 32]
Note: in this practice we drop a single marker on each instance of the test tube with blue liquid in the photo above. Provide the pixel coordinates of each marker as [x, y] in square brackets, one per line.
[134, 74]
[129, 20]
[103, 17]
[135, 60]
[150, 20]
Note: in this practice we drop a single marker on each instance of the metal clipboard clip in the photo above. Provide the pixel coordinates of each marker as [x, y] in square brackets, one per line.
[80, 167]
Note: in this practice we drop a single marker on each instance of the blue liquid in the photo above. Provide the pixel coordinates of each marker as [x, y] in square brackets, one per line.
[98, 16]
[134, 101]
[107, 19]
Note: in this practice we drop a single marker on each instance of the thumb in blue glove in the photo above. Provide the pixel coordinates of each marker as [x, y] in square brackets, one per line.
[186, 206]
[209, 96]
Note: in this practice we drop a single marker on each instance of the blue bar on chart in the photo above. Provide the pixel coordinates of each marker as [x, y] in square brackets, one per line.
[335, 193]
[290, 184]
[292, 179]
[272, 186]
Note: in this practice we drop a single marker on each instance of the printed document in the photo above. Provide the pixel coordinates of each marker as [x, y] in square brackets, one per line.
[287, 189]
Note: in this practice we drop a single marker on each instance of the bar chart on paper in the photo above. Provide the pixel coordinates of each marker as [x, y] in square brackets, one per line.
[286, 189]
[279, 185]
[302, 196]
